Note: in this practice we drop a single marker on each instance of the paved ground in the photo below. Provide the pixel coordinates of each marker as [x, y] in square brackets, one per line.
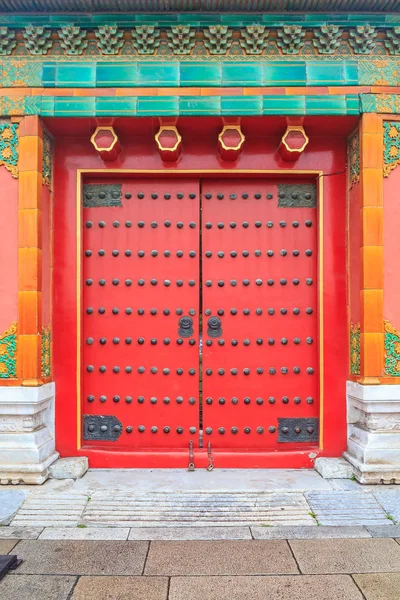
[225, 535]
[294, 569]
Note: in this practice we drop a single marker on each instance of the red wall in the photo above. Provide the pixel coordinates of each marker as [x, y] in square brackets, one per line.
[326, 152]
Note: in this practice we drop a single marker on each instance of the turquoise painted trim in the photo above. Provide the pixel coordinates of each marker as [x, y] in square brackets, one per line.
[55, 21]
[199, 74]
[146, 106]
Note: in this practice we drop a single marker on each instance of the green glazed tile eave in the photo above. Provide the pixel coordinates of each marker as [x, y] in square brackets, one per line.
[114, 106]
[270, 19]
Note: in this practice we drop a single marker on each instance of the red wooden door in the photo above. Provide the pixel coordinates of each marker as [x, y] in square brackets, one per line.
[259, 273]
[140, 354]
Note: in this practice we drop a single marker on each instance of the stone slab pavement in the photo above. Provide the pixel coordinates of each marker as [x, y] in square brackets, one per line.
[295, 569]
[173, 504]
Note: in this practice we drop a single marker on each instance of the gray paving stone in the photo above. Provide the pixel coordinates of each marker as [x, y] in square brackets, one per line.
[190, 533]
[390, 501]
[10, 502]
[36, 587]
[333, 468]
[82, 557]
[346, 508]
[20, 533]
[121, 588]
[7, 545]
[308, 533]
[379, 586]
[310, 587]
[88, 533]
[346, 556]
[384, 531]
[245, 557]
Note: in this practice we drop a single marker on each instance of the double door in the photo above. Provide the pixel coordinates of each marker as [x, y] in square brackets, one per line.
[199, 314]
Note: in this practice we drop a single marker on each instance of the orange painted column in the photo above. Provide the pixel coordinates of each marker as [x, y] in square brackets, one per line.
[371, 251]
[30, 256]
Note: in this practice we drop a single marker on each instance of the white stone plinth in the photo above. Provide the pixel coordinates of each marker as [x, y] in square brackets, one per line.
[27, 445]
[373, 444]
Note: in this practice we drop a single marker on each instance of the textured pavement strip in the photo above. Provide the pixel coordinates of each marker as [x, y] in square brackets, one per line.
[184, 509]
[45, 510]
[346, 508]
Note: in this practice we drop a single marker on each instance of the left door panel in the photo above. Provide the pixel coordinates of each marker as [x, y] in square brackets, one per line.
[140, 322]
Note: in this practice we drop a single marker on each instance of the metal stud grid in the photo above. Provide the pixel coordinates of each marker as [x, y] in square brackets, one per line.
[245, 375]
[259, 275]
[140, 315]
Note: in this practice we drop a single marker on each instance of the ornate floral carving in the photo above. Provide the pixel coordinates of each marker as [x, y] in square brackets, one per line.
[254, 39]
[109, 39]
[362, 39]
[46, 351]
[327, 39]
[353, 158]
[355, 360]
[181, 39]
[47, 170]
[290, 39]
[217, 39]
[37, 39]
[145, 39]
[392, 350]
[391, 146]
[72, 40]
[9, 147]
[7, 41]
[8, 353]
[392, 41]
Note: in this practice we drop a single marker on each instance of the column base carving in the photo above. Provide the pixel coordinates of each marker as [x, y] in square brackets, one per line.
[373, 444]
[27, 445]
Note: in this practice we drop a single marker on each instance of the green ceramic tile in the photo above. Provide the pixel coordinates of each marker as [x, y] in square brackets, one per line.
[199, 105]
[150, 106]
[284, 105]
[350, 72]
[285, 73]
[47, 106]
[325, 73]
[70, 106]
[115, 106]
[74, 74]
[326, 105]
[241, 105]
[49, 74]
[353, 104]
[242, 73]
[153, 74]
[200, 74]
[110, 74]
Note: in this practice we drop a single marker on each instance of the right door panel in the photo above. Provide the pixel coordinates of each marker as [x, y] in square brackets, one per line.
[260, 317]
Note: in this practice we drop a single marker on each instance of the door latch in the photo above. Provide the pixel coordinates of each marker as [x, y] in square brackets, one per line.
[191, 466]
[210, 458]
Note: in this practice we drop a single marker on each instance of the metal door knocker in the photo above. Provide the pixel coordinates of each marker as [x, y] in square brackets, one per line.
[185, 328]
[214, 328]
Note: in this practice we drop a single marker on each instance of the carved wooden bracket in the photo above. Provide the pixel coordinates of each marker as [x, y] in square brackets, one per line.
[230, 142]
[106, 143]
[293, 143]
[169, 142]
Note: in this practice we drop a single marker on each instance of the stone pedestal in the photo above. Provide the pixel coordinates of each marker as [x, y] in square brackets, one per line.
[373, 447]
[27, 446]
